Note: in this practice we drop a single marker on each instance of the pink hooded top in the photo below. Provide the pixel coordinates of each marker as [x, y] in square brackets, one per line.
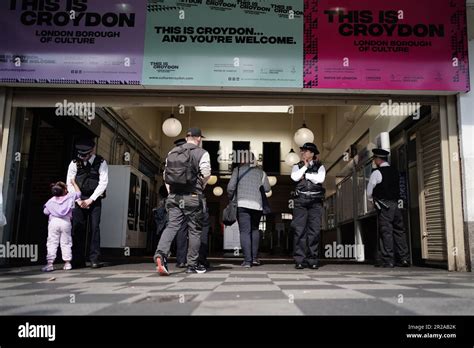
[61, 207]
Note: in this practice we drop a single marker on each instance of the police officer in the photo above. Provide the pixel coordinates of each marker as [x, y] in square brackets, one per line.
[384, 189]
[309, 175]
[187, 171]
[91, 174]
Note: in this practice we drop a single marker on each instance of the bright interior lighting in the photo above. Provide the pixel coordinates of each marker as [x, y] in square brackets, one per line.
[249, 108]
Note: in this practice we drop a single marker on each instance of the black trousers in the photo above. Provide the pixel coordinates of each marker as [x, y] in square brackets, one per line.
[249, 219]
[306, 225]
[392, 238]
[80, 219]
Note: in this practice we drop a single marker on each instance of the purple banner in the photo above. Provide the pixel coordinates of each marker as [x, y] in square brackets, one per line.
[72, 41]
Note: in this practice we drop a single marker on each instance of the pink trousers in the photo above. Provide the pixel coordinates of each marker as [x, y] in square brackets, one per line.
[59, 233]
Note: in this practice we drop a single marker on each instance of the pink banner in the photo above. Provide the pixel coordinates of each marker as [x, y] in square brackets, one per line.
[374, 44]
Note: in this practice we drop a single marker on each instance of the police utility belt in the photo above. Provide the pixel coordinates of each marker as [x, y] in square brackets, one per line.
[384, 203]
[317, 194]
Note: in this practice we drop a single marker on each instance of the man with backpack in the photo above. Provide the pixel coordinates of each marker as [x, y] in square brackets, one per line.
[182, 236]
[186, 173]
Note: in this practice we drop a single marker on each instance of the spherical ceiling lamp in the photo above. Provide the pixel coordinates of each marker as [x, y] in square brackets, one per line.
[212, 180]
[268, 194]
[292, 158]
[172, 127]
[303, 135]
[272, 180]
[218, 191]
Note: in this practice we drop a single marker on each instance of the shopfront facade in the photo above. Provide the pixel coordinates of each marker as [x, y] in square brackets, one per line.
[432, 151]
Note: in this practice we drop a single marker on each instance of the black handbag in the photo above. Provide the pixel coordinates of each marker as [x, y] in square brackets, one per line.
[229, 215]
[265, 203]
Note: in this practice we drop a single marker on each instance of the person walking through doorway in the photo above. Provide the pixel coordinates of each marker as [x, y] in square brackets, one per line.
[186, 174]
[246, 181]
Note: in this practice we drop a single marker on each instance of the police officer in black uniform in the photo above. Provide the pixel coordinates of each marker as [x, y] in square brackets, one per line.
[384, 189]
[91, 174]
[309, 175]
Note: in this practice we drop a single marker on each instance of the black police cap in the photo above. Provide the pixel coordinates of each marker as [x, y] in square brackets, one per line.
[311, 147]
[380, 153]
[84, 146]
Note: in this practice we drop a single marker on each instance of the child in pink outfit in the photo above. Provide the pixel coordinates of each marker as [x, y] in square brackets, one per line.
[59, 209]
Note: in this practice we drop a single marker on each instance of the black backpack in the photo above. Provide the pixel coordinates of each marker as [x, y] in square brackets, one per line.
[180, 169]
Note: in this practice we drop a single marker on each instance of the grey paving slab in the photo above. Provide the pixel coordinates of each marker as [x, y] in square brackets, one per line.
[247, 280]
[248, 307]
[81, 298]
[199, 280]
[250, 274]
[57, 309]
[245, 287]
[446, 307]
[406, 293]
[443, 286]
[149, 284]
[132, 275]
[247, 295]
[371, 286]
[324, 294]
[37, 286]
[350, 281]
[309, 287]
[112, 280]
[11, 285]
[455, 292]
[12, 293]
[149, 309]
[292, 275]
[315, 283]
[157, 280]
[29, 299]
[20, 280]
[366, 306]
[193, 286]
[239, 283]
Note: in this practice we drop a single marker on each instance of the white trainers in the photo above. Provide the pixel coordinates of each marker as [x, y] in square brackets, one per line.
[48, 268]
[67, 266]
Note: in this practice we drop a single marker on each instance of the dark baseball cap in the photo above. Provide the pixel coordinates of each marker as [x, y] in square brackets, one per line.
[311, 147]
[380, 153]
[84, 146]
[180, 142]
[194, 132]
